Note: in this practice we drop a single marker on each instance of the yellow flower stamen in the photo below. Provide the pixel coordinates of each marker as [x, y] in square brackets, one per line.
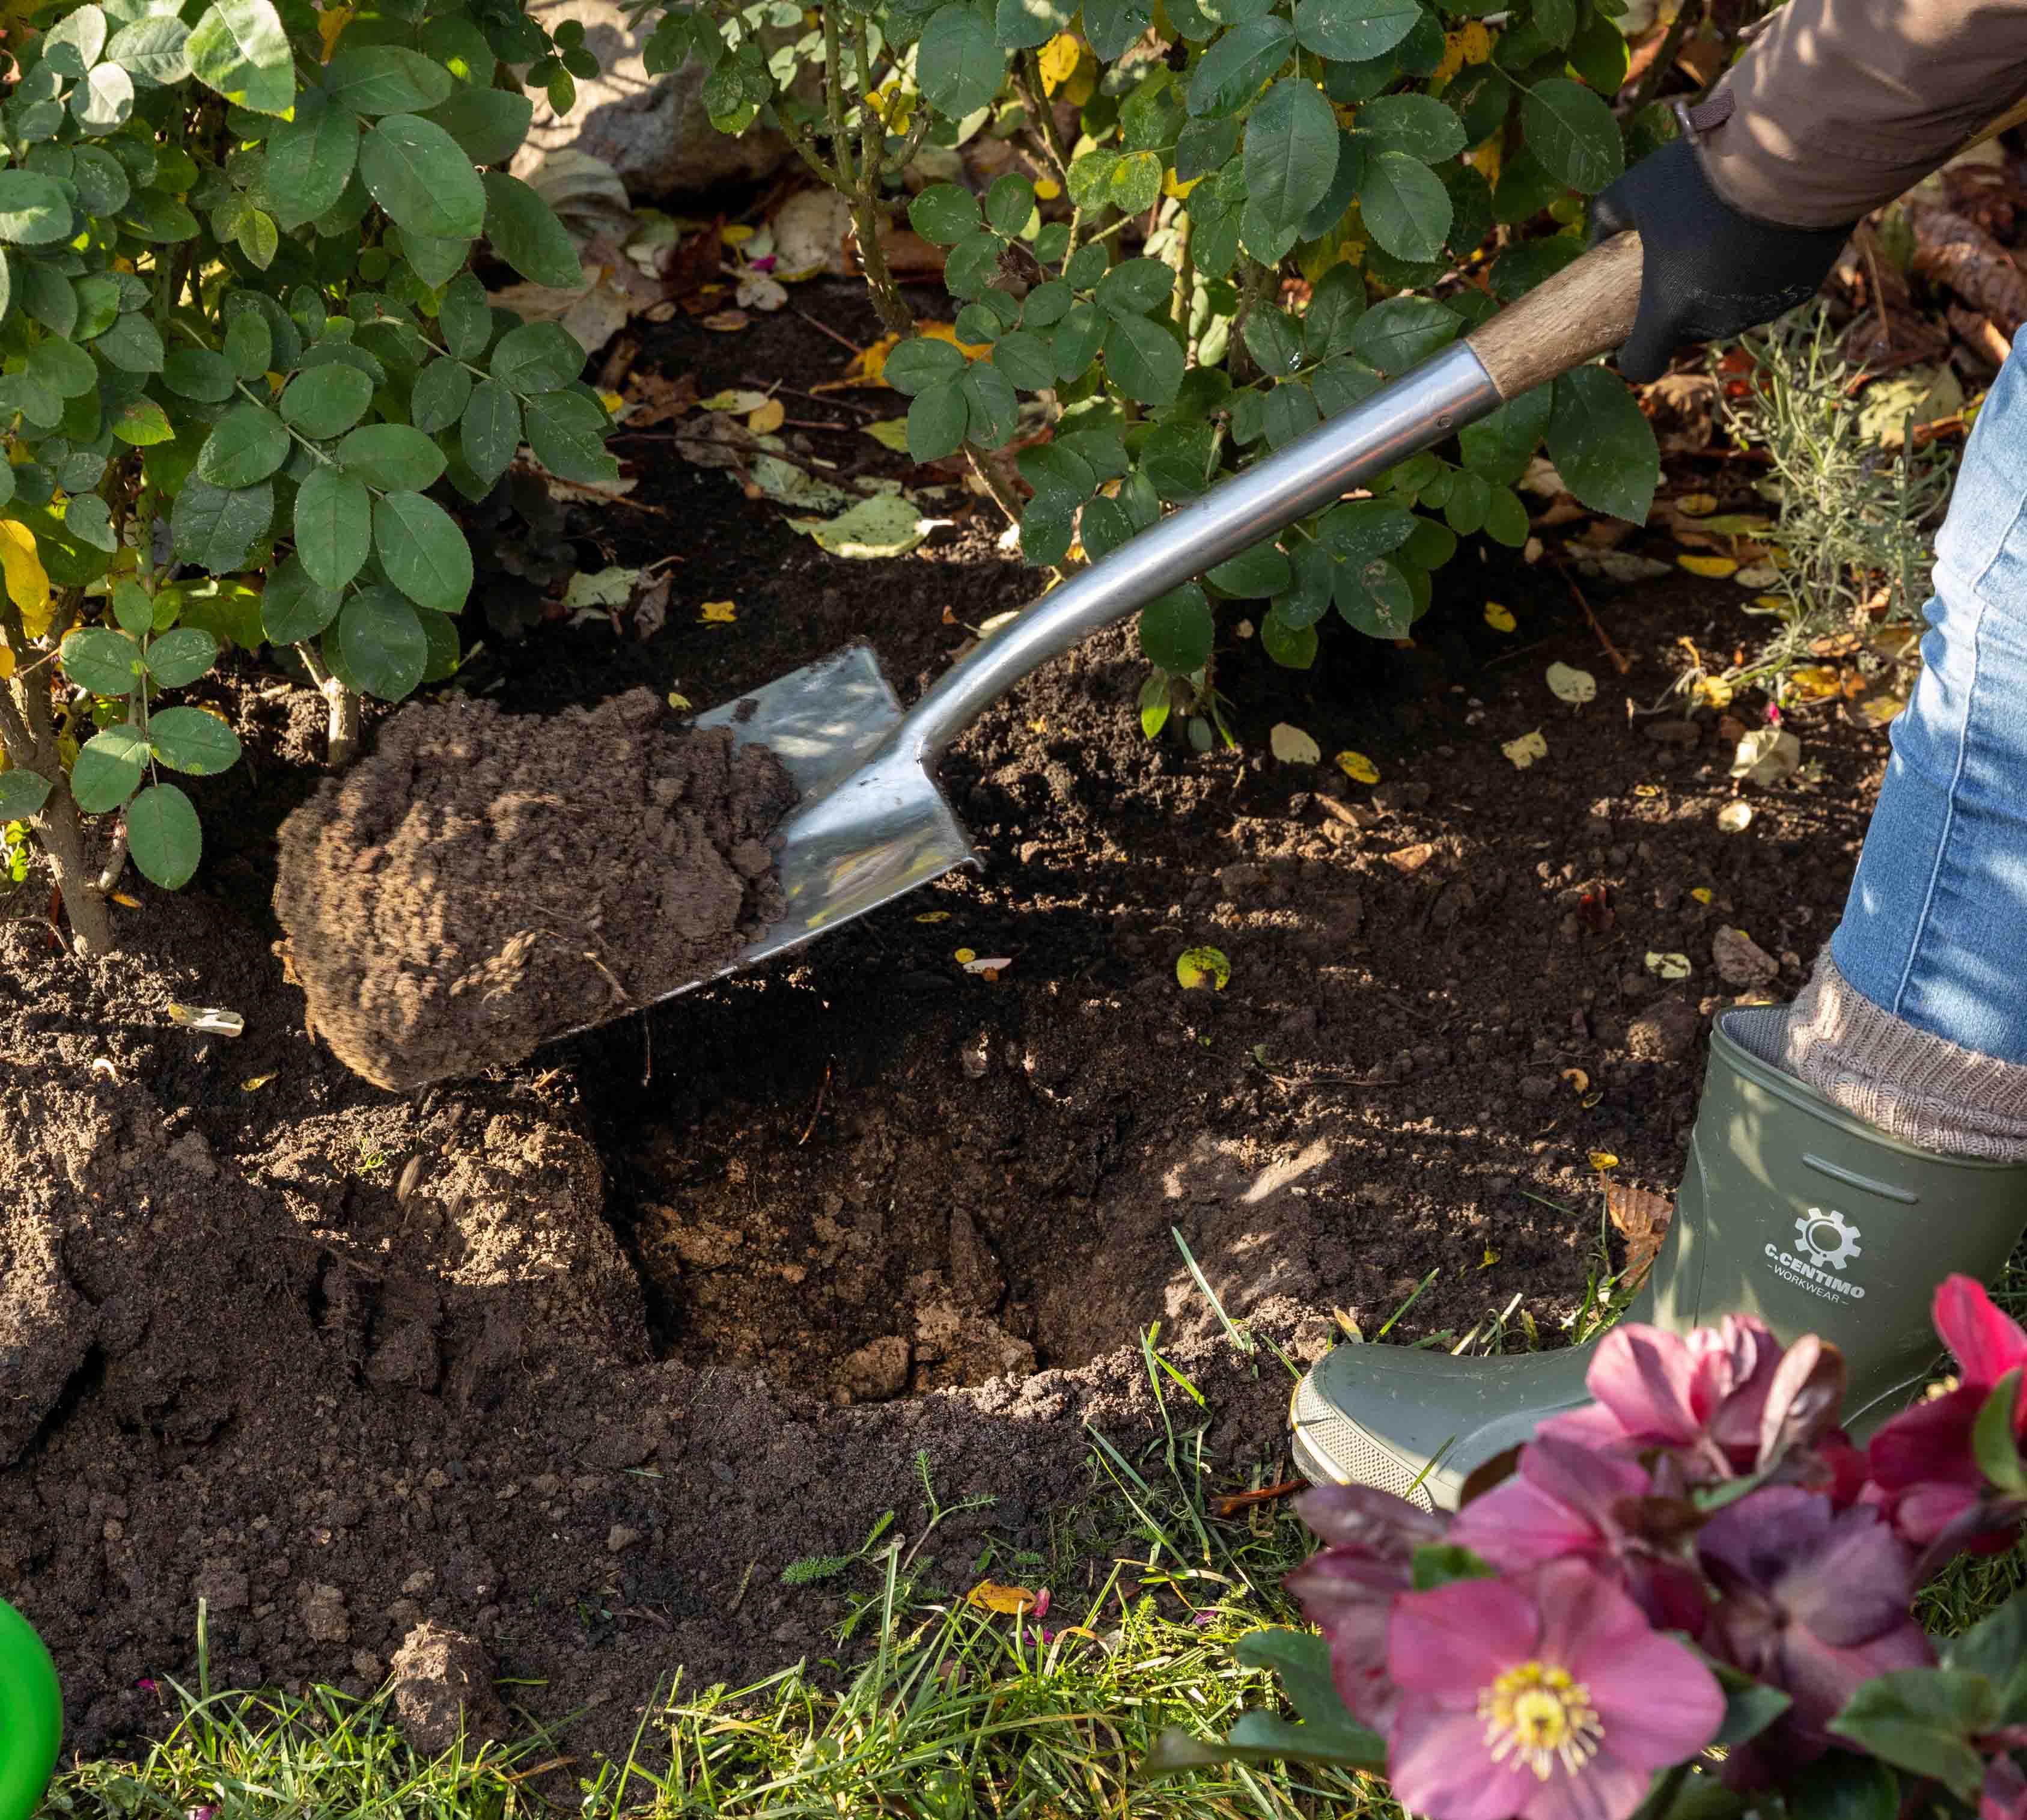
[1540, 1717]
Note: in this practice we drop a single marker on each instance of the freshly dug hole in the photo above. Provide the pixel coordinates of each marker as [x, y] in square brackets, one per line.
[486, 881]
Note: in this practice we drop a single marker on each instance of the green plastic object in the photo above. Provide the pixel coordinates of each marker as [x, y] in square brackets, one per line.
[31, 1716]
[1791, 1210]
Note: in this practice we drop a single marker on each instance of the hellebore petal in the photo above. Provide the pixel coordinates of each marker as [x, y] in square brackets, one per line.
[1988, 1344]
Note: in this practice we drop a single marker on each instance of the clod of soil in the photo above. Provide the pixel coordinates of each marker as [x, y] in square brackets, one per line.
[485, 881]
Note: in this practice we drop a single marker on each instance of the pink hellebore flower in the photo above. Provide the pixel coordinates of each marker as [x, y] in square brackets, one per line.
[1544, 1695]
[1565, 1500]
[1925, 1475]
[2004, 1796]
[1813, 1600]
[1348, 1590]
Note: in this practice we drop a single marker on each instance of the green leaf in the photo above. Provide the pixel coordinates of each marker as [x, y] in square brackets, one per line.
[102, 660]
[394, 455]
[381, 639]
[163, 835]
[1047, 522]
[538, 357]
[384, 79]
[1442, 1564]
[180, 656]
[325, 401]
[1342, 381]
[239, 48]
[1274, 339]
[81, 35]
[944, 213]
[973, 264]
[152, 50]
[1290, 151]
[334, 526]
[1923, 1719]
[1135, 287]
[936, 421]
[143, 424]
[958, 65]
[1253, 573]
[1993, 1442]
[1601, 445]
[104, 100]
[1176, 630]
[489, 123]
[490, 430]
[1417, 124]
[34, 209]
[1335, 304]
[1104, 526]
[1572, 132]
[1111, 26]
[1260, 1737]
[1009, 204]
[1354, 30]
[1080, 338]
[249, 345]
[1290, 412]
[1314, 574]
[108, 770]
[1374, 596]
[310, 159]
[1996, 1648]
[23, 794]
[921, 362]
[525, 232]
[465, 317]
[1206, 147]
[420, 176]
[133, 608]
[1394, 335]
[133, 344]
[422, 551]
[1506, 519]
[198, 373]
[441, 392]
[1301, 1659]
[1144, 359]
[151, 215]
[1026, 359]
[993, 411]
[248, 443]
[1499, 446]
[215, 527]
[101, 179]
[1841, 1786]
[1025, 24]
[1404, 205]
[1292, 647]
[191, 740]
[566, 431]
[1231, 72]
[293, 607]
[66, 369]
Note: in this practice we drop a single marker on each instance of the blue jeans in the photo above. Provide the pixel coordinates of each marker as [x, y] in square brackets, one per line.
[1935, 930]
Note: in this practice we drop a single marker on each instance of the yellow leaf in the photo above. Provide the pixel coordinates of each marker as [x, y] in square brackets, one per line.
[1769, 603]
[6, 661]
[1696, 505]
[1489, 1259]
[1200, 967]
[1008, 1602]
[254, 1083]
[1669, 966]
[1715, 567]
[1171, 185]
[1703, 894]
[735, 234]
[964, 957]
[1735, 817]
[1485, 159]
[1047, 189]
[717, 613]
[1816, 681]
[1578, 1080]
[1524, 751]
[1059, 59]
[1714, 690]
[767, 417]
[1358, 767]
[1498, 617]
[330, 22]
[1881, 708]
[1569, 683]
[1292, 746]
[678, 701]
[120, 897]
[934, 917]
[1603, 1160]
[1477, 41]
[28, 582]
[1646, 789]
[889, 432]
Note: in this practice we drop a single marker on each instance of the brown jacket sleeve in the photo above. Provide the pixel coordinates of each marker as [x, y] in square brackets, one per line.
[1846, 104]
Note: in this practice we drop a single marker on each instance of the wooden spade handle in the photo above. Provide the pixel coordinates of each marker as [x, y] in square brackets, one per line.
[1586, 308]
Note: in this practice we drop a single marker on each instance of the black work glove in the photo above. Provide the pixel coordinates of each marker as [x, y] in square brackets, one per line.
[1711, 272]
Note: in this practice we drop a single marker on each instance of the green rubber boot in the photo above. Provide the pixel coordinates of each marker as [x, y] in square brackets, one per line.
[1792, 1210]
[31, 1716]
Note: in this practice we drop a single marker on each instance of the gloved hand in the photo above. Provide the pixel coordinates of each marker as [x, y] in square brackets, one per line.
[1710, 271]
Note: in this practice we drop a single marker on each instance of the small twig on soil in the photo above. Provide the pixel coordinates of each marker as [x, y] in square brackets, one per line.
[1620, 662]
[1518, 650]
[824, 328]
[818, 1113]
[1240, 1501]
[116, 862]
[837, 476]
[814, 397]
[604, 494]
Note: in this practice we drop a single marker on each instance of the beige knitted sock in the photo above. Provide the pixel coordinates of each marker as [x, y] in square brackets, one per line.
[1920, 1088]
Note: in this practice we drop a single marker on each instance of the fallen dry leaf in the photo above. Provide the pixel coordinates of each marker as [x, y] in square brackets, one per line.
[727, 322]
[1735, 817]
[1524, 751]
[1669, 966]
[717, 613]
[1292, 746]
[1568, 684]
[1767, 756]
[1196, 968]
[1358, 767]
[764, 420]
[1713, 568]
[1498, 617]
[1641, 1217]
[1008, 1602]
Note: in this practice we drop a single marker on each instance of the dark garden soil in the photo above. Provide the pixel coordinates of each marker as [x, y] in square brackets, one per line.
[576, 1356]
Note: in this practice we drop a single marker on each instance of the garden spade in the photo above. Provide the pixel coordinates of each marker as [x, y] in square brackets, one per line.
[873, 823]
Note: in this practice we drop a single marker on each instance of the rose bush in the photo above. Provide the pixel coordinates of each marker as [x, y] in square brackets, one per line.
[1693, 1596]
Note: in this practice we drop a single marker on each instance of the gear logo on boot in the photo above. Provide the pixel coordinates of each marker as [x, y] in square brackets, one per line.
[1826, 1237]
[1823, 1237]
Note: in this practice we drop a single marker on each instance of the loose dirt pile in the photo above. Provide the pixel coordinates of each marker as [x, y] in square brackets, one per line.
[484, 882]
